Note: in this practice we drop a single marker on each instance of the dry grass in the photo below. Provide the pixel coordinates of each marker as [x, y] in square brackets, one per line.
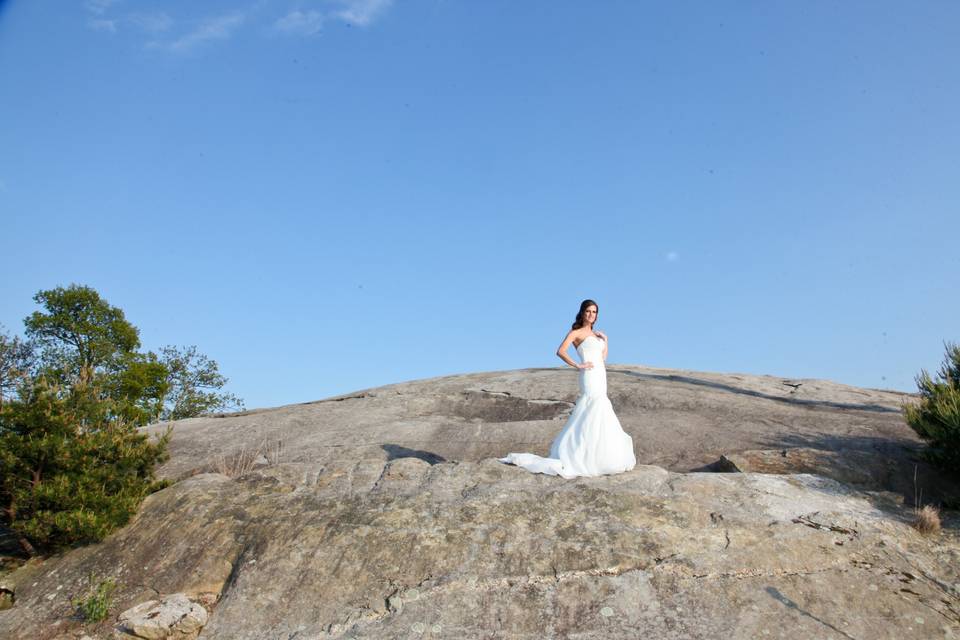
[236, 464]
[241, 462]
[274, 452]
[926, 519]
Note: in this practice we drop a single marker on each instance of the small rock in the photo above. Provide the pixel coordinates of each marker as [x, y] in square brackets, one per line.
[174, 615]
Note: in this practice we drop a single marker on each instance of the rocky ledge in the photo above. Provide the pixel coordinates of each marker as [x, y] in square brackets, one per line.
[401, 541]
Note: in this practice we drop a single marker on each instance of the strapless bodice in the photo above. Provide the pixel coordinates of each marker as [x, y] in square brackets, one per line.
[593, 382]
[591, 350]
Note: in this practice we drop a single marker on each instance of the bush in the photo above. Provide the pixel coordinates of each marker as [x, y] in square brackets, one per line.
[71, 468]
[96, 605]
[936, 417]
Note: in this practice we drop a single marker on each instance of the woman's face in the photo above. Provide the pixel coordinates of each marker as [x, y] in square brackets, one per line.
[590, 314]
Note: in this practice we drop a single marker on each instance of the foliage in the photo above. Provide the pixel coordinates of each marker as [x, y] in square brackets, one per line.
[82, 338]
[17, 359]
[73, 464]
[936, 417]
[194, 383]
[72, 468]
[96, 605]
[83, 329]
[139, 387]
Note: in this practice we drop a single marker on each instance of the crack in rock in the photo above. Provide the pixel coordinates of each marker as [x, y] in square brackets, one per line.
[813, 524]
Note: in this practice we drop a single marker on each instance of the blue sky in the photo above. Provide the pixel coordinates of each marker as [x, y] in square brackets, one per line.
[326, 196]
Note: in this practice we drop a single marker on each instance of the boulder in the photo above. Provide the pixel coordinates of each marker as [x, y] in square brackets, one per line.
[174, 617]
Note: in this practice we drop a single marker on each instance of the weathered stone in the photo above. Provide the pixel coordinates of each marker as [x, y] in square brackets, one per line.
[876, 471]
[483, 546]
[371, 526]
[680, 420]
[174, 616]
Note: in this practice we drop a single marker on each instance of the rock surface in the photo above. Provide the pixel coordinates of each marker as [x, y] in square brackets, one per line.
[487, 550]
[679, 420]
[381, 518]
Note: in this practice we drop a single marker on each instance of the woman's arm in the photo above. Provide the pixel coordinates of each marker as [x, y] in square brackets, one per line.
[562, 352]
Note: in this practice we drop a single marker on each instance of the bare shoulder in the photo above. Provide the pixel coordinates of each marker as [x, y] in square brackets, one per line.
[579, 335]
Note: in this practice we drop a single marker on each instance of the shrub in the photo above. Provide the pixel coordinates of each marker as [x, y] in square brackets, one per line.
[936, 417]
[96, 605]
[71, 469]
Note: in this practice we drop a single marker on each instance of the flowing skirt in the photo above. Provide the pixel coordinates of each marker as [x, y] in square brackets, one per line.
[591, 443]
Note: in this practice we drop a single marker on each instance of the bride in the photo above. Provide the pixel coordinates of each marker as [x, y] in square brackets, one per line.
[592, 443]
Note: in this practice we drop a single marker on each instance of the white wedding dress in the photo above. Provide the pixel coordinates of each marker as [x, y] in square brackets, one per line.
[592, 443]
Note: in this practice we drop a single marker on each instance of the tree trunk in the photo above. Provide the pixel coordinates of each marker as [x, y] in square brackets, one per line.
[26, 546]
[23, 542]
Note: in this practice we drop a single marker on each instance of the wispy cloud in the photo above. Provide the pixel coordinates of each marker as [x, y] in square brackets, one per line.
[218, 28]
[97, 21]
[100, 20]
[299, 22]
[153, 22]
[99, 6]
[672, 256]
[361, 12]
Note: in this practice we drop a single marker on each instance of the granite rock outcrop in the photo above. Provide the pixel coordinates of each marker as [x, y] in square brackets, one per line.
[384, 515]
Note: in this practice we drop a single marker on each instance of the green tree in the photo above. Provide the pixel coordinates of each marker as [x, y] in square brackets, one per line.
[73, 463]
[72, 468]
[17, 360]
[83, 330]
[195, 384]
[139, 386]
[936, 417]
[86, 341]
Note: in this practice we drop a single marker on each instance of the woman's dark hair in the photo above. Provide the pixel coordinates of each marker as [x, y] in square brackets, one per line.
[583, 307]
